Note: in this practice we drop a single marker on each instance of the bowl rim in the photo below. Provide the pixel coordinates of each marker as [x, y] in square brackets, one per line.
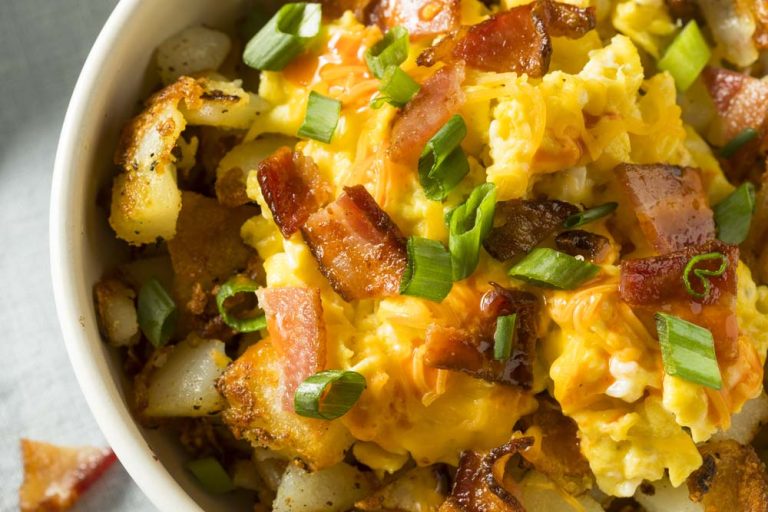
[91, 370]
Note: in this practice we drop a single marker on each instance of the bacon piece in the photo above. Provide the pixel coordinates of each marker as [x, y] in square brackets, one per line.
[292, 188]
[656, 284]
[439, 98]
[515, 40]
[558, 455]
[732, 477]
[582, 243]
[481, 485]
[358, 247]
[741, 102]
[470, 349]
[522, 224]
[296, 327]
[56, 476]
[422, 18]
[670, 204]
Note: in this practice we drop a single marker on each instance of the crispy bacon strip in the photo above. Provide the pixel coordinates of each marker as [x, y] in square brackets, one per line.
[422, 18]
[559, 456]
[582, 243]
[741, 102]
[56, 476]
[515, 40]
[656, 284]
[522, 224]
[481, 485]
[296, 327]
[292, 188]
[470, 349]
[732, 477]
[357, 245]
[439, 98]
[670, 203]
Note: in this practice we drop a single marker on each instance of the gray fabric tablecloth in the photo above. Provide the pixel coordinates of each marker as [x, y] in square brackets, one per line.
[43, 44]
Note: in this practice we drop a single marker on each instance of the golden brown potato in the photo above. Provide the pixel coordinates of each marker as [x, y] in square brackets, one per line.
[145, 197]
[253, 387]
[732, 477]
[206, 250]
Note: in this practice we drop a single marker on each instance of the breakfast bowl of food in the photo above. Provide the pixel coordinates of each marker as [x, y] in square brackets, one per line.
[422, 255]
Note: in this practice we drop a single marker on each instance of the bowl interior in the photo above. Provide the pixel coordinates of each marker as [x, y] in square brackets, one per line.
[115, 79]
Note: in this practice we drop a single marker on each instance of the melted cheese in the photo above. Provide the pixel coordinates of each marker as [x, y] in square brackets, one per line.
[561, 135]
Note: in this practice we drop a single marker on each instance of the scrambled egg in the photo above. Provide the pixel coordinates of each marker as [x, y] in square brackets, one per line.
[561, 135]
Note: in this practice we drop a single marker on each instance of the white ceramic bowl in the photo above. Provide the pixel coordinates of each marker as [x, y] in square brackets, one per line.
[111, 84]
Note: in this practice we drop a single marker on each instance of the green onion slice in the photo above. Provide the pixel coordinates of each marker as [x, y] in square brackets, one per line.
[392, 50]
[156, 313]
[428, 271]
[590, 215]
[686, 57]
[239, 284]
[703, 273]
[737, 142]
[468, 226]
[443, 164]
[688, 351]
[211, 475]
[504, 337]
[549, 268]
[397, 88]
[733, 215]
[321, 118]
[329, 394]
[285, 36]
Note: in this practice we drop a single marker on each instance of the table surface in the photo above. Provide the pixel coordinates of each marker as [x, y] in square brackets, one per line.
[43, 44]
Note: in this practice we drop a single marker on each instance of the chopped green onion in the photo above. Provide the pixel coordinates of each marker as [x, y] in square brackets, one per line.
[428, 271]
[688, 351]
[468, 227]
[235, 285]
[321, 118]
[329, 394]
[397, 88]
[285, 36]
[549, 268]
[579, 219]
[686, 56]
[733, 215]
[211, 475]
[737, 142]
[392, 50]
[703, 273]
[156, 313]
[443, 164]
[504, 337]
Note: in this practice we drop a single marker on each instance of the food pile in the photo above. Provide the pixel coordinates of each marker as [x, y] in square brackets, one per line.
[446, 255]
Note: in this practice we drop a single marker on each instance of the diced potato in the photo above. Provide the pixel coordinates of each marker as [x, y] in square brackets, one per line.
[192, 50]
[224, 105]
[254, 391]
[335, 489]
[117, 312]
[185, 385]
[746, 424]
[145, 197]
[417, 490]
[666, 498]
[537, 492]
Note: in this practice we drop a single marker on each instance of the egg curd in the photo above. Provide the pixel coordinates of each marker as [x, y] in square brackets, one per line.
[560, 135]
